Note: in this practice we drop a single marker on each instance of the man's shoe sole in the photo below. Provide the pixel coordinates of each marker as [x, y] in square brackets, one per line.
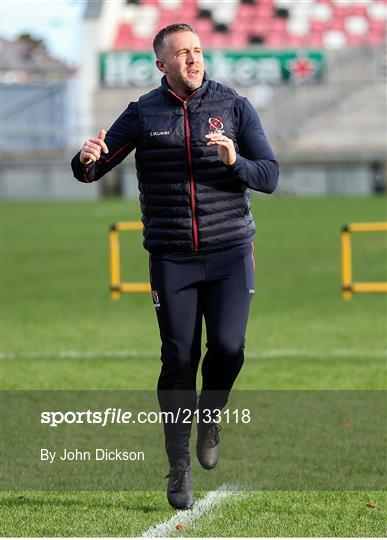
[182, 507]
[179, 489]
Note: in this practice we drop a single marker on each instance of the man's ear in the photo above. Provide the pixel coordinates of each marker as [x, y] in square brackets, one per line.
[161, 66]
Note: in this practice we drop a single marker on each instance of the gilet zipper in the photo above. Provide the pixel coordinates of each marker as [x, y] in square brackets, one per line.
[191, 176]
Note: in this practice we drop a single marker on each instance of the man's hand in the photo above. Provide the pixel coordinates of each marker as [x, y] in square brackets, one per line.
[91, 149]
[226, 148]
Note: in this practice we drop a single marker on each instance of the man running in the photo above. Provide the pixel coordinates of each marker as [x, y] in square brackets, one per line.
[200, 148]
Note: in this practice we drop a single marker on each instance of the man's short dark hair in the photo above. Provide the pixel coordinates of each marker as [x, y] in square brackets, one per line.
[161, 37]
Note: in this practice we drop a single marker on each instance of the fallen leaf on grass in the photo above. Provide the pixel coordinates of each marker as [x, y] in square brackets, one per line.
[345, 424]
[370, 505]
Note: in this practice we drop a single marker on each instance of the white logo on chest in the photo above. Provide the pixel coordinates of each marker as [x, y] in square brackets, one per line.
[158, 133]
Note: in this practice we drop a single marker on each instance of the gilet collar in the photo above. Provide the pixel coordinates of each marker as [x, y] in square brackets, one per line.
[199, 92]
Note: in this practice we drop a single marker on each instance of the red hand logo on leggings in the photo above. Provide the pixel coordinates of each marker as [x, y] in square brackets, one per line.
[156, 301]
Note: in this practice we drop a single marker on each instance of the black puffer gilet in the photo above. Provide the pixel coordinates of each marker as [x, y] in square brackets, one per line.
[190, 200]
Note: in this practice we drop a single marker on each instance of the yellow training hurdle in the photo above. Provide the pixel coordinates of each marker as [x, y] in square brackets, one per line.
[116, 287]
[348, 288]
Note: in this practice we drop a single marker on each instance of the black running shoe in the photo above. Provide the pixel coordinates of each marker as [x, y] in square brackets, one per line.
[208, 444]
[179, 490]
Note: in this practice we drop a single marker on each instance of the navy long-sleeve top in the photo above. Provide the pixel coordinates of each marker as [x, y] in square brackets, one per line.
[255, 167]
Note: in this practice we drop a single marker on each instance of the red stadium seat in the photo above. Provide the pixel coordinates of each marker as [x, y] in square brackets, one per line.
[276, 41]
[238, 41]
[276, 26]
[203, 26]
[336, 24]
[358, 10]
[275, 23]
[219, 41]
[375, 39]
[262, 28]
[263, 10]
[317, 27]
[245, 12]
[314, 41]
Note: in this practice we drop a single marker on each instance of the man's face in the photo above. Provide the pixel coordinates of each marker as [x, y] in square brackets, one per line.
[182, 62]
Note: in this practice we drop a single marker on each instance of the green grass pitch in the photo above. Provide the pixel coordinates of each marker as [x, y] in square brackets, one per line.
[61, 330]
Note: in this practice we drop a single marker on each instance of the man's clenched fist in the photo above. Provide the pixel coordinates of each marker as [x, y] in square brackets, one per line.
[91, 149]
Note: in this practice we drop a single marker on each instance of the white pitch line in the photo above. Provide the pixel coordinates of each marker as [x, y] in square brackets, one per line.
[66, 355]
[131, 353]
[188, 517]
[334, 353]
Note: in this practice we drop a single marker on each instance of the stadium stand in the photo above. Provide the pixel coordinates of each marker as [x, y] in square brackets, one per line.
[317, 128]
[343, 117]
[329, 131]
[331, 24]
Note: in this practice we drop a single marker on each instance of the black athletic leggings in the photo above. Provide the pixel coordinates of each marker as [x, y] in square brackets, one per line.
[217, 287]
